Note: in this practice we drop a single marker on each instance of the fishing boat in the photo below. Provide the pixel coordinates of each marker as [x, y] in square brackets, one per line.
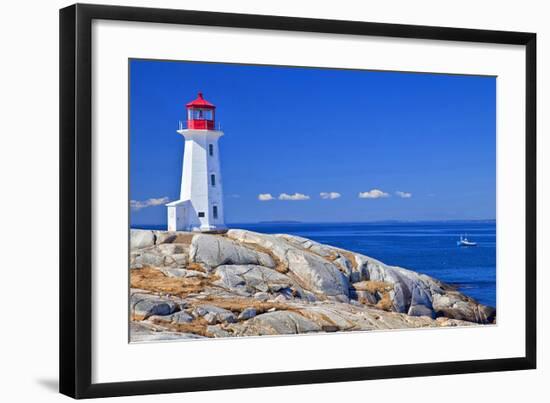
[465, 242]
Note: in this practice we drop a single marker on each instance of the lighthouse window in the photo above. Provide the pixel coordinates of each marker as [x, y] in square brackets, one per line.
[215, 211]
[201, 214]
[211, 149]
[213, 180]
[200, 114]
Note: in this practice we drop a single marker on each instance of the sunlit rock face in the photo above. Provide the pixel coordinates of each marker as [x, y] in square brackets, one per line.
[188, 285]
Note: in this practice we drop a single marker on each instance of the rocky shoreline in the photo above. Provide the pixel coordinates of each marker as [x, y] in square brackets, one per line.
[241, 283]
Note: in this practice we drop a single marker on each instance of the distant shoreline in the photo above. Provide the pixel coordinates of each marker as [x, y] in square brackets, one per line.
[291, 222]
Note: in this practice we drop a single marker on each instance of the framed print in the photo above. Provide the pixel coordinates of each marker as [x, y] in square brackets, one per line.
[238, 212]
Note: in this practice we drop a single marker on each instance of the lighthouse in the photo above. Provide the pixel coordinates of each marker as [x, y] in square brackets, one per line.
[200, 207]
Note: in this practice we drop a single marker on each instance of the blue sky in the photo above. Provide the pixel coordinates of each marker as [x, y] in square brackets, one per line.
[309, 131]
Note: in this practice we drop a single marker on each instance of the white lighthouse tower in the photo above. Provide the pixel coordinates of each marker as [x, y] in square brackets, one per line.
[200, 207]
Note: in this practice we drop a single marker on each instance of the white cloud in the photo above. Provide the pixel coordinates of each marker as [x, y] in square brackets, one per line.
[295, 196]
[265, 197]
[373, 194]
[329, 195]
[141, 204]
[403, 195]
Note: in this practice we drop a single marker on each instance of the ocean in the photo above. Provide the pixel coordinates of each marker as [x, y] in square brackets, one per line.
[425, 247]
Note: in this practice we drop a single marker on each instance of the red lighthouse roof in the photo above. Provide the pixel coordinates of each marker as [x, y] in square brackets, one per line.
[200, 102]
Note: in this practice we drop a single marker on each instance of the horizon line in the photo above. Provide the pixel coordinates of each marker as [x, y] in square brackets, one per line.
[344, 222]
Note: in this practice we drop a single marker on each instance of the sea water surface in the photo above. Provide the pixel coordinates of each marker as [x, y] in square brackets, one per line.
[425, 247]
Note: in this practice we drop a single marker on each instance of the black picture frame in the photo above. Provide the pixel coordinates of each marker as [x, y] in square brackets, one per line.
[76, 200]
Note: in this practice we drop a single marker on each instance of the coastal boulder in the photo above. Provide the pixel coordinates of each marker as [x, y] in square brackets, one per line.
[163, 255]
[181, 317]
[214, 251]
[325, 251]
[145, 332]
[313, 272]
[409, 288]
[332, 318]
[317, 274]
[420, 295]
[278, 322]
[218, 331]
[421, 302]
[345, 266]
[247, 313]
[149, 257]
[249, 279]
[172, 249]
[144, 305]
[214, 314]
[372, 292]
[140, 238]
[278, 247]
[455, 305]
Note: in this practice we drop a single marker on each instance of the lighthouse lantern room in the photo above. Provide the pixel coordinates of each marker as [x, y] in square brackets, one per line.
[200, 114]
[200, 207]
